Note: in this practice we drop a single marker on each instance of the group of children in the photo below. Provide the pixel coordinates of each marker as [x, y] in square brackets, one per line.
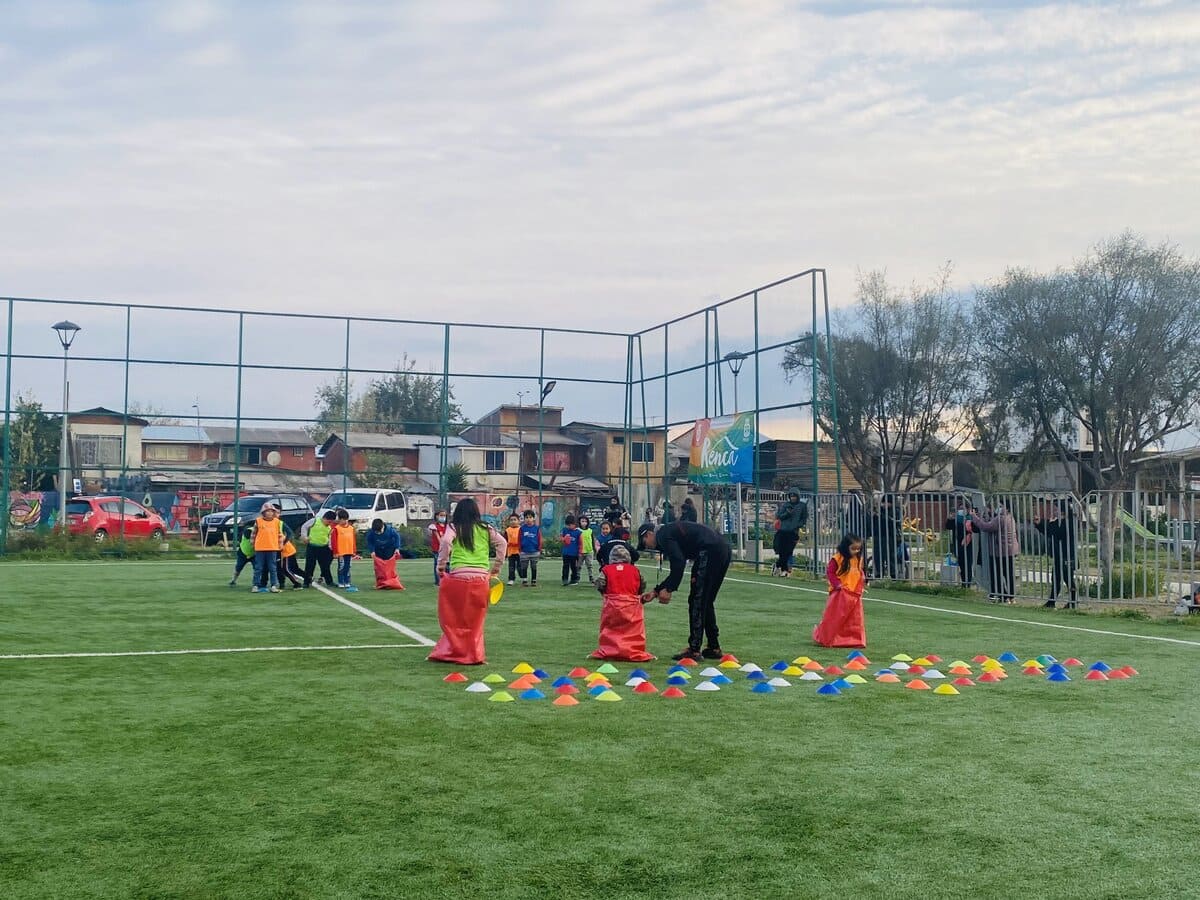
[581, 545]
[267, 544]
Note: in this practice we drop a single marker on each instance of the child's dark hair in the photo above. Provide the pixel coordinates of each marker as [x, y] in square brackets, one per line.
[583, 519]
[377, 525]
[330, 516]
[843, 550]
[530, 514]
[569, 520]
[342, 514]
[465, 519]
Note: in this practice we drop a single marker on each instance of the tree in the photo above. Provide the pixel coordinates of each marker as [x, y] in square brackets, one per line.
[401, 402]
[34, 441]
[901, 374]
[381, 472]
[152, 414]
[1106, 349]
[454, 477]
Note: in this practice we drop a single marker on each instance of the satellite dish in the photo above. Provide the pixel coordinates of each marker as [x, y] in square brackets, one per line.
[273, 458]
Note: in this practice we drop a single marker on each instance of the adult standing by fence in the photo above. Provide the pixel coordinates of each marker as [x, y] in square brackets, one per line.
[792, 515]
[687, 513]
[1057, 523]
[1003, 547]
[887, 529]
[962, 533]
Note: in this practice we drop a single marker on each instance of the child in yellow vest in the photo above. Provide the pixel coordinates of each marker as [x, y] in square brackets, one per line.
[268, 541]
[345, 548]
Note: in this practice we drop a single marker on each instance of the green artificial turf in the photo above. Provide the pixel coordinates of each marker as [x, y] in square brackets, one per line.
[359, 773]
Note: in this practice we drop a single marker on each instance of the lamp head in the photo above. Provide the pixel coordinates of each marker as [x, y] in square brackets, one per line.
[66, 332]
[549, 386]
[735, 358]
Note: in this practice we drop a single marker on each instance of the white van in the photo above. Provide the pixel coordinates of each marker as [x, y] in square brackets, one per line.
[367, 504]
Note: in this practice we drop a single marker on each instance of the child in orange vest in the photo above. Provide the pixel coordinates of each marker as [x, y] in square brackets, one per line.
[268, 541]
[842, 624]
[622, 624]
[345, 548]
[513, 534]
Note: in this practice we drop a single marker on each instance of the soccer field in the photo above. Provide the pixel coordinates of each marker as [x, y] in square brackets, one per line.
[355, 771]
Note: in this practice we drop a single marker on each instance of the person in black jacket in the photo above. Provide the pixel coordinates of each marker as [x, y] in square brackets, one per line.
[687, 512]
[709, 552]
[792, 516]
[615, 513]
[966, 542]
[1058, 526]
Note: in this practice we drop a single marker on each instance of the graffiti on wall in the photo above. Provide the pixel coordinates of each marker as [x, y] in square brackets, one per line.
[32, 510]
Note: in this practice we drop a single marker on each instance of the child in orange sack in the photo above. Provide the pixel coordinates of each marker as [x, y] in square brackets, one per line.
[842, 624]
[622, 624]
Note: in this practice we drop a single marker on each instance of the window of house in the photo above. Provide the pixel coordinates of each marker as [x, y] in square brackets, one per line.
[95, 450]
[642, 451]
[493, 460]
[253, 456]
[166, 451]
[618, 439]
[298, 452]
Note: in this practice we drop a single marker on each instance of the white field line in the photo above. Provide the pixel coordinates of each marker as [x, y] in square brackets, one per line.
[216, 650]
[975, 615]
[403, 629]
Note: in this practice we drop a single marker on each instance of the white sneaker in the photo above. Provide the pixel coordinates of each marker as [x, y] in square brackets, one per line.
[274, 590]
[510, 581]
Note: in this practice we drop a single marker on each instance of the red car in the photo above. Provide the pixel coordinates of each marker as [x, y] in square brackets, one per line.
[107, 517]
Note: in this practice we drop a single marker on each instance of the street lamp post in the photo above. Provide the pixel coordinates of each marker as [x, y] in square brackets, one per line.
[546, 389]
[66, 335]
[735, 360]
[521, 395]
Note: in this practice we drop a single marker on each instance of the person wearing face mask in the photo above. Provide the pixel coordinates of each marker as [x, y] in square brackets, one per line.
[437, 528]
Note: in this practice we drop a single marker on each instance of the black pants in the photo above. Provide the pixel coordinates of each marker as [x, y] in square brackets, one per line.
[885, 559]
[528, 566]
[287, 570]
[708, 571]
[514, 565]
[313, 557]
[242, 562]
[785, 544]
[1004, 584]
[570, 569]
[966, 564]
[1062, 574]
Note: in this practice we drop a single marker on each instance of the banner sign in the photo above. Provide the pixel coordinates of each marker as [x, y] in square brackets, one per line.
[723, 450]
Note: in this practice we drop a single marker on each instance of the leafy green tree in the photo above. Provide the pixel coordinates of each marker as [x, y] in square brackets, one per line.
[454, 477]
[401, 402]
[33, 446]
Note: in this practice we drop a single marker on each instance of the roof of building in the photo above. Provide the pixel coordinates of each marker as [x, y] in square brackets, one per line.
[252, 434]
[105, 412]
[370, 440]
[174, 434]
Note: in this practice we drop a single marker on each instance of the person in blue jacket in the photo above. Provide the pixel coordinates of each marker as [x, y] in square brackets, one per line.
[384, 543]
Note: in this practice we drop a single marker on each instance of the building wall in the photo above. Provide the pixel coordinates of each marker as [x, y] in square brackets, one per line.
[792, 466]
[608, 460]
[133, 442]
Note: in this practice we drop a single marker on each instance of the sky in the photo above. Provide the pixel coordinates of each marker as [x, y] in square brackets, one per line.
[586, 164]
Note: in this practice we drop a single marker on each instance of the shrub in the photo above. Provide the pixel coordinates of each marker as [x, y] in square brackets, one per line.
[47, 544]
[414, 542]
[1127, 582]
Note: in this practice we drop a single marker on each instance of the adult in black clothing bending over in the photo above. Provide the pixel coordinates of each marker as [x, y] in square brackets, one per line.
[710, 556]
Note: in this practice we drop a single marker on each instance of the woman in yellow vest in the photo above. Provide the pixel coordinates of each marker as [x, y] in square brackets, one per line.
[463, 593]
[268, 541]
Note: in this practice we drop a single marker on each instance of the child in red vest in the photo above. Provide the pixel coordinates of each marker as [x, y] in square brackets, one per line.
[622, 625]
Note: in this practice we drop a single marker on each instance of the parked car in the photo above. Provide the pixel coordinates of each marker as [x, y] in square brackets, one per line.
[111, 517]
[294, 511]
[366, 504]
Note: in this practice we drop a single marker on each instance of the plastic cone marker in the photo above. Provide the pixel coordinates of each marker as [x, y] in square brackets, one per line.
[1056, 669]
[889, 678]
[455, 678]
[854, 654]
[884, 672]
[834, 670]
[779, 682]
[1096, 675]
[964, 682]
[565, 700]
[945, 689]
[567, 689]
[923, 661]
[522, 668]
[645, 688]
[980, 658]
[595, 676]
[989, 678]
[673, 693]
[1046, 659]
[749, 667]
[1099, 666]
[801, 660]
[793, 671]
[917, 685]
[902, 657]
[501, 697]
[756, 676]
[639, 673]
[843, 685]
[608, 669]
[532, 694]
[957, 663]
[933, 658]
[710, 672]
[634, 682]
[1116, 673]
[811, 676]
[676, 668]
[478, 688]
[677, 681]
[523, 683]
[854, 678]
[687, 661]
[1032, 664]
[722, 679]
[899, 666]
[812, 666]
[598, 690]
[855, 665]
[779, 665]
[1008, 656]
[494, 678]
[991, 665]
[707, 686]
[579, 672]
[729, 664]
[541, 673]
[828, 689]
[916, 669]
[1129, 670]
[960, 670]
[729, 658]
[763, 687]
[1073, 662]
[559, 682]
[1058, 676]
[1031, 670]
[609, 697]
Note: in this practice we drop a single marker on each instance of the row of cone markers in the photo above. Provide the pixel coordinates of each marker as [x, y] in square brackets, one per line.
[529, 683]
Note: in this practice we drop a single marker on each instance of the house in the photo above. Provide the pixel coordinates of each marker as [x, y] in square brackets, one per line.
[103, 443]
[490, 467]
[543, 446]
[634, 457]
[180, 445]
[784, 464]
[381, 459]
[279, 448]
